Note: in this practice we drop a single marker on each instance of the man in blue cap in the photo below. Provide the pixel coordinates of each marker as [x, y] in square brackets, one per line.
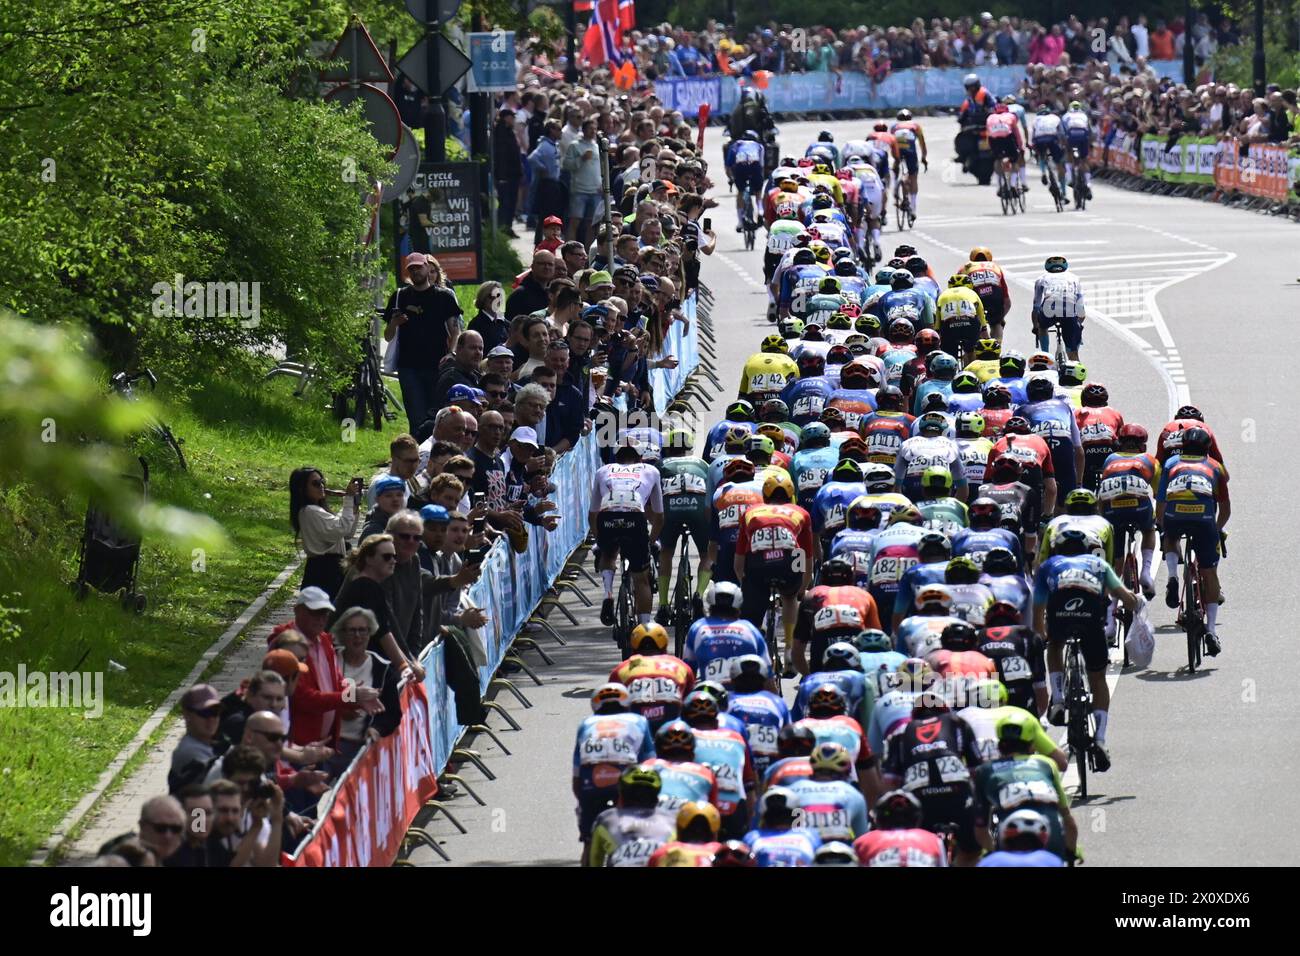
[390, 498]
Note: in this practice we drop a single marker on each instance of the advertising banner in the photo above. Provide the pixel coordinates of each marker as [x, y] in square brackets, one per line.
[444, 218]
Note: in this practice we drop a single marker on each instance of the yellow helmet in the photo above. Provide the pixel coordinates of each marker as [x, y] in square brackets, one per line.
[652, 631]
[778, 480]
[773, 431]
[960, 279]
[695, 810]
[832, 757]
[820, 250]
[981, 254]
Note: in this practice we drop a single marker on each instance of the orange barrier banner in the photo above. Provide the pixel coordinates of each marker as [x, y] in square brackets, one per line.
[373, 805]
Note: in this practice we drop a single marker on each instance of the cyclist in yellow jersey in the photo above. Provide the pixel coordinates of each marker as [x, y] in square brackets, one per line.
[767, 372]
[960, 314]
[823, 175]
[986, 366]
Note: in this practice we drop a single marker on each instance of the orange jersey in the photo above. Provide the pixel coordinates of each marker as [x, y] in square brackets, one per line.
[835, 608]
[1170, 442]
[886, 138]
[655, 684]
[1098, 426]
[768, 529]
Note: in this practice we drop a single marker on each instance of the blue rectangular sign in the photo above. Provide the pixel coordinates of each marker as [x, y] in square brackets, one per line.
[492, 62]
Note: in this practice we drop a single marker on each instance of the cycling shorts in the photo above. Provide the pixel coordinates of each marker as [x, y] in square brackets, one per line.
[1204, 534]
[1078, 139]
[1005, 146]
[1092, 636]
[735, 824]
[1052, 147]
[749, 175]
[626, 532]
[951, 808]
[590, 805]
[1071, 330]
[770, 261]
[756, 589]
[1141, 518]
[910, 161]
[695, 522]
[961, 334]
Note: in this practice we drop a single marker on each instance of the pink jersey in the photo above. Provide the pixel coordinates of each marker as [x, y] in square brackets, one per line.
[1000, 125]
[900, 848]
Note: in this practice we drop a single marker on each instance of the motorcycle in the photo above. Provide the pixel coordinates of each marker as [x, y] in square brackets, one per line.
[974, 153]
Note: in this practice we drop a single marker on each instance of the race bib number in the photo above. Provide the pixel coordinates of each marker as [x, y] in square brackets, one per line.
[780, 241]
[917, 776]
[904, 310]
[890, 570]
[812, 478]
[853, 420]
[633, 853]
[1051, 428]
[621, 499]
[606, 750]
[766, 382]
[1019, 792]
[1080, 579]
[728, 777]
[809, 406]
[772, 538]
[762, 740]
[685, 483]
[729, 516]
[952, 770]
[718, 669]
[837, 616]
[1097, 433]
[1190, 483]
[1015, 668]
[829, 823]
[653, 690]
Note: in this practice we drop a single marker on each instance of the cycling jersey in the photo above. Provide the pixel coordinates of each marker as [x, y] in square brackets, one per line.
[1171, 439]
[764, 714]
[783, 772]
[846, 731]
[855, 403]
[916, 848]
[917, 576]
[1023, 781]
[628, 836]
[1018, 502]
[892, 552]
[628, 487]
[920, 634]
[715, 443]
[946, 514]
[766, 373]
[930, 756]
[1073, 589]
[1125, 493]
[830, 613]
[890, 714]
[854, 546]
[1191, 489]
[677, 853]
[917, 454]
[727, 753]
[1047, 126]
[990, 285]
[964, 402]
[983, 722]
[1034, 455]
[783, 847]
[1097, 528]
[1059, 295]
[781, 235]
[774, 533]
[806, 399]
[796, 281]
[682, 782]
[1002, 126]
[858, 690]
[1014, 589]
[931, 386]
[830, 506]
[730, 502]
[970, 601]
[884, 433]
[911, 304]
[1098, 431]
[974, 459]
[656, 685]
[1053, 420]
[1078, 129]
[835, 809]
[960, 671]
[809, 470]
[684, 483]
[960, 308]
[742, 151]
[712, 643]
[606, 745]
[975, 544]
[1032, 858]
[820, 307]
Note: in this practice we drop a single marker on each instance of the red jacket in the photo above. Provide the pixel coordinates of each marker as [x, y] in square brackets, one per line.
[309, 705]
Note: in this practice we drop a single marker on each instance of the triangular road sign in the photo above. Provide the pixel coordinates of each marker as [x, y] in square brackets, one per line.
[356, 48]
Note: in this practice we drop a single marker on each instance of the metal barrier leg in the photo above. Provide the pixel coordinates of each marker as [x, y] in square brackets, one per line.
[415, 834]
[510, 686]
[555, 603]
[546, 626]
[528, 644]
[581, 569]
[460, 781]
[485, 729]
[571, 587]
[463, 753]
[496, 708]
[440, 807]
[514, 659]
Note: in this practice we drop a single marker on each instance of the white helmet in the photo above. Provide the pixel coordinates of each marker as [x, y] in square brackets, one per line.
[722, 594]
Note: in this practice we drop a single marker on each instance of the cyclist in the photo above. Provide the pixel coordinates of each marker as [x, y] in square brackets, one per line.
[1058, 300]
[961, 317]
[1012, 377]
[997, 408]
[971, 597]
[1007, 143]
[1078, 137]
[833, 498]
[828, 803]
[793, 743]
[721, 697]
[871, 200]
[656, 681]
[774, 549]
[768, 371]
[727, 753]
[739, 414]
[696, 841]
[744, 165]
[930, 448]
[737, 494]
[762, 712]
[1022, 842]
[1035, 469]
[806, 396]
[938, 507]
[984, 533]
[983, 368]
[854, 397]
[974, 448]
[896, 837]
[607, 743]
[930, 759]
[1071, 591]
[907, 134]
[1046, 140]
[1073, 377]
[933, 549]
[987, 704]
[1081, 513]
[628, 515]
[1052, 419]
[879, 663]
[683, 779]
[684, 487]
[1192, 500]
[959, 665]
[776, 841]
[888, 427]
[841, 665]
[1099, 427]
[828, 719]
[812, 463]
[990, 284]
[921, 632]
[629, 833]
[1017, 652]
[1022, 779]
[823, 175]
[734, 445]
[715, 642]
[884, 147]
[966, 397]
[833, 610]
[940, 370]
[1003, 576]
[798, 280]
[1189, 416]
[905, 301]
[1126, 496]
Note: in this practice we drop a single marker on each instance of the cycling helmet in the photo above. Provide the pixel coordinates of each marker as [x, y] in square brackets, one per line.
[942, 365]
[1094, 395]
[965, 383]
[927, 341]
[898, 262]
[970, 424]
[865, 376]
[815, 435]
[845, 267]
[988, 349]
[1012, 364]
[609, 694]
[827, 701]
[959, 636]
[699, 813]
[1189, 411]
[811, 365]
[1009, 99]
[930, 703]
[832, 758]
[841, 656]
[933, 597]
[679, 439]
[901, 331]
[1040, 360]
[699, 707]
[833, 419]
[835, 853]
[933, 543]
[775, 410]
[735, 439]
[867, 324]
[1196, 441]
[1001, 613]
[794, 740]
[904, 115]
[901, 279]
[1075, 105]
[838, 355]
[836, 572]
[786, 209]
[1073, 373]
[1043, 109]
[855, 450]
[903, 250]
[652, 632]
[733, 470]
[734, 853]
[988, 693]
[1004, 470]
[749, 664]
[839, 321]
[635, 777]
[822, 201]
[932, 423]
[825, 136]
[873, 640]
[936, 478]
[1132, 434]
[1056, 264]
[1039, 389]
[759, 445]
[740, 411]
[716, 691]
[934, 402]
[1016, 425]
[997, 395]
[881, 127]
[1071, 541]
[890, 398]
[907, 514]
[914, 675]
[722, 594]
[675, 737]
[773, 433]
[983, 513]
[883, 275]
[780, 802]
[775, 343]
[1081, 501]
[1018, 725]
[878, 477]
[969, 80]
[981, 254]
[897, 810]
[857, 344]
[1024, 830]
[842, 252]
[846, 469]
[961, 570]
[917, 266]
[821, 251]
[810, 331]
[778, 481]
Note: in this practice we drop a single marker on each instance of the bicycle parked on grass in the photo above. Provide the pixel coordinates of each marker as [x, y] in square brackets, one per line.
[124, 384]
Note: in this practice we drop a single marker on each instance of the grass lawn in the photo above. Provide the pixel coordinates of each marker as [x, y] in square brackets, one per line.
[241, 443]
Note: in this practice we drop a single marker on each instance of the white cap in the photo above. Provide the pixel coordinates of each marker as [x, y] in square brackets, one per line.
[314, 598]
[525, 435]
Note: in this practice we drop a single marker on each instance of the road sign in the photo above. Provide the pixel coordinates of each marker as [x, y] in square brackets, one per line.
[358, 51]
[452, 64]
[492, 59]
[433, 11]
[408, 164]
[381, 112]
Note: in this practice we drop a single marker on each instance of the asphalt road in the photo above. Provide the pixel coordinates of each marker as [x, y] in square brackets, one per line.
[1186, 301]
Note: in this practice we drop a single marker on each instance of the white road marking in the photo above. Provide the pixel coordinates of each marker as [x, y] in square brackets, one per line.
[1076, 242]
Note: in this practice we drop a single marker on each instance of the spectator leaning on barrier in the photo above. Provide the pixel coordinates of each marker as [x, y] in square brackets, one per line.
[195, 753]
[464, 368]
[403, 587]
[370, 565]
[355, 631]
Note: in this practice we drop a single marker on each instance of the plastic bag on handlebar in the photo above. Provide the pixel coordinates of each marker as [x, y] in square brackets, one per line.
[1140, 640]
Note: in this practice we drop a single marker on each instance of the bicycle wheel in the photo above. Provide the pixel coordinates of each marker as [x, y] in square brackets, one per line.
[1060, 348]
[172, 442]
[1020, 200]
[769, 634]
[682, 598]
[1004, 191]
[625, 615]
[1077, 734]
[1193, 619]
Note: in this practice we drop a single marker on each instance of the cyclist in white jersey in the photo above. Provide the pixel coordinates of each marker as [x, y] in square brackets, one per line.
[1045, 135]
[1078, 137]
[872, 192]
[627, 514]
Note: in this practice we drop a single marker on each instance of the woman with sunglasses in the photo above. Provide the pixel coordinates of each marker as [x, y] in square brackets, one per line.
[368, 567]
[354, 632]
[324, 535]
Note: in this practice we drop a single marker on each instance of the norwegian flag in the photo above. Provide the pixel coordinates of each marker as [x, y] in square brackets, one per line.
[626, 15]
[582, 6]
[600, 43]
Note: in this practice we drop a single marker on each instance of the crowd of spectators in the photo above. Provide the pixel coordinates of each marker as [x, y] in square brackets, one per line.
[493, 403]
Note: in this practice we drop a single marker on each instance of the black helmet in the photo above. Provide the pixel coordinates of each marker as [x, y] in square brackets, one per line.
[1000, 561]
[804, 257]
[794, 740]
[983, 513]
[897, 810]
[1039, 389]
[890, 398]
[823, 201]
[901, 279]
[1016, 425]
[934, 542]
[811, 364]
[741, 410]
[1071, 541]
[959, 636]
[845, 267]
[837, 573]
[1189, 411]
[1196, 441]
[675, 737]
[1094, 395]
[917, 266]
[775, 410]
[825, 136]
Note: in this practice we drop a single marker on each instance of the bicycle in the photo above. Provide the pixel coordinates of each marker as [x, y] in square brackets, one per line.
[1077, 182]
[1078, 707]
[683, 613]
[1127, 548]
[625, 610]
[1054, 185]
[1006, 192]
[773, 623]
[124, 385]
[748, 224]
[1191, 606]
[903, 204]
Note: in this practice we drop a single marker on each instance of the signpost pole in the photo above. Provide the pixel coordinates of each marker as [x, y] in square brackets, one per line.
[481, 139]
[606, 185]
[435, 124]
[571, 48]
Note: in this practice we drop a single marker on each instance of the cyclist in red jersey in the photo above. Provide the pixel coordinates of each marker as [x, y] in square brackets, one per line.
[1189, 416]
[1035, 459]
[1099, 426]
[656, 681]
[990, 284]
[997, 410]
[896, 837]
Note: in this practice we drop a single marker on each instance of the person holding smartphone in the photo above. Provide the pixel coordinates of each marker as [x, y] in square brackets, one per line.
[324, 535]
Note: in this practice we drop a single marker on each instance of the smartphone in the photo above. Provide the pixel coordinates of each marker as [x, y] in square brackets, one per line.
[478, 499]
[708, 224]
